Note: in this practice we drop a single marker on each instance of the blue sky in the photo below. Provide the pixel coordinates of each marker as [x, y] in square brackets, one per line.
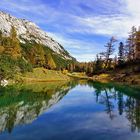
[82, 26]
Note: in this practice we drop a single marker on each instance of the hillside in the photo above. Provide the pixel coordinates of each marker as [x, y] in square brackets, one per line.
[28, 31]
[24, 46]
[41, 75]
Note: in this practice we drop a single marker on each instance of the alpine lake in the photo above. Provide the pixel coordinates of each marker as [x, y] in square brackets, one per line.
[75, 110]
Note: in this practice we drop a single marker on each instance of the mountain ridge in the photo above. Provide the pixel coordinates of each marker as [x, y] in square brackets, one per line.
[29, 31]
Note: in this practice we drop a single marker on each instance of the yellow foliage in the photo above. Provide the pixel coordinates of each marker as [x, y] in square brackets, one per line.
[65, 71]
[12, 45]
[51, 62]
[40, 55]
[43, 75]
[103, 75]
[1, 49]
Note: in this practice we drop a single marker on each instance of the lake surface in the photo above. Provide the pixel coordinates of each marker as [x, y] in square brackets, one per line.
[78, 110]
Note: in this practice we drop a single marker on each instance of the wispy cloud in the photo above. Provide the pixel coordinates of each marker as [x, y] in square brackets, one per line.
[82, 50]
[117, 24]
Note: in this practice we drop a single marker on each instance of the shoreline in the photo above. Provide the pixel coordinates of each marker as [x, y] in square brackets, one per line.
[44, 75]
[118, 78]
[37, 75]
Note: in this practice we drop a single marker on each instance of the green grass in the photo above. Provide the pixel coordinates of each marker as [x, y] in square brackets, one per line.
[42, 75]
[45, 87]
[79, 75]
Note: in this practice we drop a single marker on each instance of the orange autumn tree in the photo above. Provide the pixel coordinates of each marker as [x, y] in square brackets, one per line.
[50, 61]
[1, 43]
[12, 47]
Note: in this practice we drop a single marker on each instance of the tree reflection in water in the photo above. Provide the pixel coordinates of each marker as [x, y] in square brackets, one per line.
[127, 98]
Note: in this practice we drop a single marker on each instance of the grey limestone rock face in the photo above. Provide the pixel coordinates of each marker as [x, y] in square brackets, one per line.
[29, 31]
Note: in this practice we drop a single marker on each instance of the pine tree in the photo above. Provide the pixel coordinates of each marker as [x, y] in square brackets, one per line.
[115, 61]
[40, 55]
[130, 44]
[121, 53]
[98, 64]
[1, 40]
[137, 45]
[1, 37]
[50, 61]
[12, 47]
[110, 50]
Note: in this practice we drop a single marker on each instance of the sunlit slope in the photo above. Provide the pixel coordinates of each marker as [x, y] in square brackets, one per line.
[42, 75]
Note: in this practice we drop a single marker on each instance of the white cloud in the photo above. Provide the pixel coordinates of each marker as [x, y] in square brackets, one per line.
[113, 24]
[81, 50]
[132, 7]
[102, 25]
[69, 43]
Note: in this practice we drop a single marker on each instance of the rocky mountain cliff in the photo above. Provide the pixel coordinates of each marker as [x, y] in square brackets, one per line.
[29, 31]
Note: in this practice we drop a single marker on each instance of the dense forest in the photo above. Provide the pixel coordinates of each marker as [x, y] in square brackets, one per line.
[17, 57]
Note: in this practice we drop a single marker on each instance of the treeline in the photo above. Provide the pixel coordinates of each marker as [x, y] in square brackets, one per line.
[128, 54]
[11, 60]
[22, 57]
[41, 56]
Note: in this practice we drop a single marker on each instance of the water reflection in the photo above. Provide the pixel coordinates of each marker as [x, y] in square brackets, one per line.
[124, 98]
[90, 109]
[22, 104]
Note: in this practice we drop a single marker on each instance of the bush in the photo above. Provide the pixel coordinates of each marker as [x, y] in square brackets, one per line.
[24, 65]
[9, 66]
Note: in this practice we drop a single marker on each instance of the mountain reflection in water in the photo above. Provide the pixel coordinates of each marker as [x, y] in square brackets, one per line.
[23, 104]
